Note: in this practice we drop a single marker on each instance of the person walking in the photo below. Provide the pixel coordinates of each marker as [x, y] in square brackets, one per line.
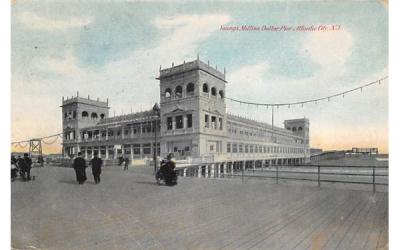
[96, 164]
[126, 163]
[21, 167]
[28, 165]
[80, 168]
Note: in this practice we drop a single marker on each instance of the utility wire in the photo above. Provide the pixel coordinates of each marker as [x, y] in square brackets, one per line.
[310, 100]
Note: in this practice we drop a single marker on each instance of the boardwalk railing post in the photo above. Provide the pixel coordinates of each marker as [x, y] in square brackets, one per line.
[373, 177]
[276, 174]
[242, 167]
[319, 176]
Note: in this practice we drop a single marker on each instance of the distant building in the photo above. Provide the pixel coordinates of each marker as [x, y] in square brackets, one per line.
[364, 151]
[315, 151]
[192, 123]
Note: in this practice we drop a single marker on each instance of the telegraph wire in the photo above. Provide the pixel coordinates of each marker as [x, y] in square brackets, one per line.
[328, 98]
[25, 143]
[52, 142]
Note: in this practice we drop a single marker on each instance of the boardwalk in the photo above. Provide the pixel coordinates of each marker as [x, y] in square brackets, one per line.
[128, 211]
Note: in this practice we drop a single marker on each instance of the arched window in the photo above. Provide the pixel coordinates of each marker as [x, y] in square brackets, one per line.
[221, 94]
[168, 93]
[93, 115]
[178, 91]
[205, 88]
[190, 89]
[85, 114]
[213, 91]
[294, 129]
[102, 116]
[300, 129]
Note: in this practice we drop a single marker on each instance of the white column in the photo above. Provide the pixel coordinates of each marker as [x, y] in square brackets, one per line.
[199, 172]
[184, 171]
[225, 167]
[212, 170]
[131, 151]
[106, 152]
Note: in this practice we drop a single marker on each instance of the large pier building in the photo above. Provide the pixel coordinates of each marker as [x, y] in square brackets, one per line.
[191, 122]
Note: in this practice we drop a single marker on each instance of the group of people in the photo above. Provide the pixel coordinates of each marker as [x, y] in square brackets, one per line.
[21, 166]
[167, 172]
[79, 166]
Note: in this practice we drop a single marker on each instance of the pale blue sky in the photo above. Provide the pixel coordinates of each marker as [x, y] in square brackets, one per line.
[114, 50]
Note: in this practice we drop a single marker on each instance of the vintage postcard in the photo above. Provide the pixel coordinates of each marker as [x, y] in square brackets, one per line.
[199, 124]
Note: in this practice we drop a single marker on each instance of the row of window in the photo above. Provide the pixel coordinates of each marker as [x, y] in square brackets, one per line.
[213, 120]
[294, 129]
[178, 91]
[145, 128]
[252, 148]
[179, 122]
[264, 134]
[72, 115]
[243, 132]
[136, 149]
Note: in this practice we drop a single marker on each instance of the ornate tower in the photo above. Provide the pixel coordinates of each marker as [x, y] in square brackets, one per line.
[78, 113]
[192, 107]
[301, 128]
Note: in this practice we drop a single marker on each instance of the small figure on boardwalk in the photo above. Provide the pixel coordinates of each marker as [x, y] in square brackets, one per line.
[96, 164]
[126, 163]
[13, 168]
[121, 160]
[80, 168]
[27, 167]
[21, 166]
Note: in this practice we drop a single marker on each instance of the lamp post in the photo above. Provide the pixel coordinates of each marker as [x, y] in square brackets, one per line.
[156, 110]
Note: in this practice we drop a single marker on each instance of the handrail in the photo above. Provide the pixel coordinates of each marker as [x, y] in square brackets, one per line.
[282, 172]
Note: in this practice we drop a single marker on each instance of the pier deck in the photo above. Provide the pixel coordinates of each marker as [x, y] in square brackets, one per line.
[127, 210]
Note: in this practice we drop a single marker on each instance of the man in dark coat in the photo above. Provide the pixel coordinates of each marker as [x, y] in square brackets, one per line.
[80, 168]
[13, 168]
[13, 159]
[126, 163]
[96, 164]
[168, 171]
[21, 166]
[28, 164]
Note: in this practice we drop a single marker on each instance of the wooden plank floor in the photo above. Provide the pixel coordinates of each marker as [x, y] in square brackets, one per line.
[127, 210]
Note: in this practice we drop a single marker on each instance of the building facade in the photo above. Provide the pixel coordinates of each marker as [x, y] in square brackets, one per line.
[192, 123]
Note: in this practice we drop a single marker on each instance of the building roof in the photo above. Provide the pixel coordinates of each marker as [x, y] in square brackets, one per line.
[189, 66]
[264, 125]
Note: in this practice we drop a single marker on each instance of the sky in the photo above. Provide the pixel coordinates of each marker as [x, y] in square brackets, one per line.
[114, 50]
